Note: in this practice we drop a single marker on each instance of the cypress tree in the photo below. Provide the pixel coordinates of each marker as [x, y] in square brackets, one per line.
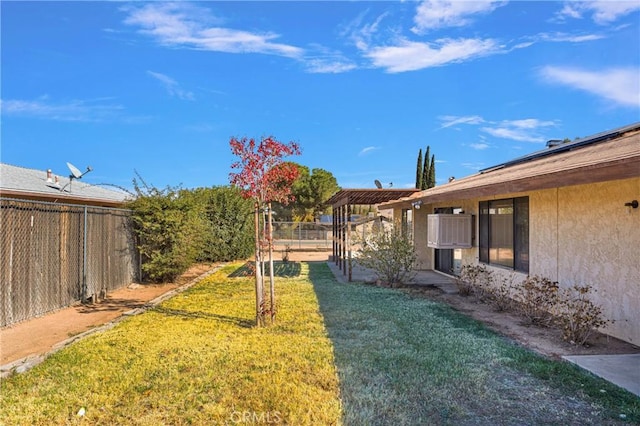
[425, 170]
[419, 170]
[431, 182]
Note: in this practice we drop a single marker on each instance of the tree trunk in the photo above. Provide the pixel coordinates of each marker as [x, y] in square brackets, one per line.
[258, 271]
[272, 288]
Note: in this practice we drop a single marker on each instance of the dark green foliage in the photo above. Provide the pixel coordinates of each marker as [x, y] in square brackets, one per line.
[168, 230]
[431, 181]
[426, 173]
[419, 170]
[176, 227]
[229, 224]
[311, 190]
[425, 170]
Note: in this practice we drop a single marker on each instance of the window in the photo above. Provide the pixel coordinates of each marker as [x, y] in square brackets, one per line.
[406, 222]
[504, 233]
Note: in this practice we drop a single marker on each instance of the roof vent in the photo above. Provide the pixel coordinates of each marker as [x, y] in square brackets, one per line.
[554, 142]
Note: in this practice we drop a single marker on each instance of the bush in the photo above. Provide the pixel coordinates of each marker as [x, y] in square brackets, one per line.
[176, 228]
[577, 316]
[168, 229]
[389, 253]
[464, 280]
[474, 279]
[500, 294]
[537, 297]
[539, 300]
[228, 223]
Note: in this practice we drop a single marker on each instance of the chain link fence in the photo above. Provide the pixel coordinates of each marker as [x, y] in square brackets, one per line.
[302, 235]
[54, 255]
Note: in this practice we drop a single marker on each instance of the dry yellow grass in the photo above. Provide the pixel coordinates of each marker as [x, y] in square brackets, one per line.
[196, 359]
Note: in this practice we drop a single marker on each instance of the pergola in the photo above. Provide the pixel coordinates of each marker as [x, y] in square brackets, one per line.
[342, 203]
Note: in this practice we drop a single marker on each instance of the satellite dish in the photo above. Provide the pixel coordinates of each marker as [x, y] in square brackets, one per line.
[75, 173]
[378, 184]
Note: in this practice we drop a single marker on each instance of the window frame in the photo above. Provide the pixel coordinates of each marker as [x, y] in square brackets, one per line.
[519, 232]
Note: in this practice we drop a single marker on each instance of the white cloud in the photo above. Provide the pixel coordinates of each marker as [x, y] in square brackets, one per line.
[329, 67]
[526, 130]
[473, 166]
[367, 150]
[362, 34]
[433, 14]
[74, 110]
[479, 146]
[602, 12]
[172, 86]
[324, 60]
[452, 120]
[410, 55]
[571, 38]
[620, 85]
[189, 26]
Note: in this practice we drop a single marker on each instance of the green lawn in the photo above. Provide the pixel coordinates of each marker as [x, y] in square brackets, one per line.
[340, 353]
[410, 361]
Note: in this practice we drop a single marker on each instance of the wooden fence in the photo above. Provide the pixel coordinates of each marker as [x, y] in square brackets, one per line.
[54, 255]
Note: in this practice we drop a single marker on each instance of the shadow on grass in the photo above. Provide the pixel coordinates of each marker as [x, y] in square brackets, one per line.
[280, 269]
[406, 361]
[240, 322]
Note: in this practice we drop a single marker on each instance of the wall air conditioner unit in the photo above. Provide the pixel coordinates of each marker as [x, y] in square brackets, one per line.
[449, 231]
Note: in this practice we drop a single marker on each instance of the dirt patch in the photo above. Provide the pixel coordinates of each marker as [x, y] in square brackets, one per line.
[546, 341]
[39, 335]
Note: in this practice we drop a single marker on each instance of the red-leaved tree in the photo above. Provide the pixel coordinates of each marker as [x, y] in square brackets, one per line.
[263, 175]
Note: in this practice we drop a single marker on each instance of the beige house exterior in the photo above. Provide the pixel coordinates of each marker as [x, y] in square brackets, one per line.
[572, 218]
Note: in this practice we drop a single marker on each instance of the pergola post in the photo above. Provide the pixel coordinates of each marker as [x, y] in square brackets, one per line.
[342, 203]
[348, 208]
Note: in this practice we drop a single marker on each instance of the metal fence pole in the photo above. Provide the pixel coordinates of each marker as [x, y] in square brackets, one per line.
[84, 258]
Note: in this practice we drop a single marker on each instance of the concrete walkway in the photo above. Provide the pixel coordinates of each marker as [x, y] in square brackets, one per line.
[621, 370]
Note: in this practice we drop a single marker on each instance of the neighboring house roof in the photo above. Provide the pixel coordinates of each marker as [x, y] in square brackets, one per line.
[367, 196]
[603, 157]
[20, 182]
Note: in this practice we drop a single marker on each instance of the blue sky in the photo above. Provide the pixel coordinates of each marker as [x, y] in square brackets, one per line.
[159, 88]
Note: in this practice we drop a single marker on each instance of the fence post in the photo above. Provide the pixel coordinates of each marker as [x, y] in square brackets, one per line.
[84, 258]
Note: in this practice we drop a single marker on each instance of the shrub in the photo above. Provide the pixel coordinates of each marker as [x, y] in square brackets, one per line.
[228, 221]
[536, 298]
[389, 252]
[177, 227]
[484, 284]
[577, 316]
[168, 231]
[465, 280]
[500, 294]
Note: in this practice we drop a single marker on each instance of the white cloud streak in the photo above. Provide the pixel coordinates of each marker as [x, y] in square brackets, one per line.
[367, 150]
[479, 146]
[172, 86]
[411, 55]
[74, 110]
[452, 120]
[434, 14]
[526, 130]
[188, 26]
[620, 85]
[602, 12]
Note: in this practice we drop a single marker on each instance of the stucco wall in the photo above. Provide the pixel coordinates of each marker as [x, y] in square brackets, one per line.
[577, 235]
